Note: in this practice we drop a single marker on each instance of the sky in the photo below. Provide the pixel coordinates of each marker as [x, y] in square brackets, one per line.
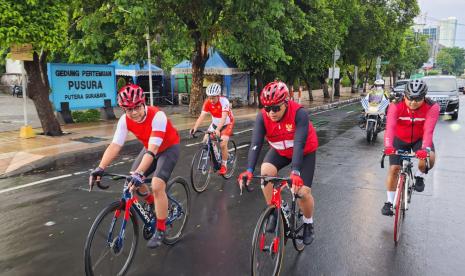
[440, 9]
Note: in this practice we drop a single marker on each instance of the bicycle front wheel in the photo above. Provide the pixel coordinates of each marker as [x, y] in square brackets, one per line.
[399, 212]
[200, 170]
[105, 253]
[232, 158]
[298, 224]
[178, 209]
[267, 248]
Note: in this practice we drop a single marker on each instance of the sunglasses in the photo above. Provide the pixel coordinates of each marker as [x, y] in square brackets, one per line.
[417, 100]
[131, 109]
[274, 108]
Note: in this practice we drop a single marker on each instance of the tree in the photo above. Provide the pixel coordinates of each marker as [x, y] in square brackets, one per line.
[312, 53]
[452, 60]
[376, 31]
[43, 24]
[445, 61]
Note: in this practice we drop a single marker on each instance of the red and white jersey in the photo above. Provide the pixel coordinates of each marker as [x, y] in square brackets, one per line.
[156, 129]
[411, 125]
[216, 110]
[280, 135]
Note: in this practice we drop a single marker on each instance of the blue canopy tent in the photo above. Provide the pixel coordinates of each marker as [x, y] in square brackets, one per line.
[236, 83]
[140, 75]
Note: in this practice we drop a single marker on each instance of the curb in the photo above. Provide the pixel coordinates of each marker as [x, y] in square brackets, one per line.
[65, 159]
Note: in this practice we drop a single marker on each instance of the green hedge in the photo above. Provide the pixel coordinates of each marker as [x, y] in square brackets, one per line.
[90, 115]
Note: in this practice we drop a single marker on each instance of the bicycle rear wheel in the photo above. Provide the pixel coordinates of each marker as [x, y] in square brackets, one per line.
[267, 248]
[178, 209]
[298, 224]
[200, 170]
[399, 212]
[232, 157]
[104, 252]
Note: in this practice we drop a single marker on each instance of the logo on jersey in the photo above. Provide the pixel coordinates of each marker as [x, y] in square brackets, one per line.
[289, 127]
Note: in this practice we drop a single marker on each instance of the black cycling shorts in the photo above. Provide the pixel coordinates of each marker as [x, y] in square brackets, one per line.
[401, 145]
[163, 164]
[308, 164]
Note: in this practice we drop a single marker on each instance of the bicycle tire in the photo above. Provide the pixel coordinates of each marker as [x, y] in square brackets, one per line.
[196, 162]
[297, 222]
[109, 210]
[258, 232]
[370, 132]
[231, 168]
[172, 238]
[399, 215]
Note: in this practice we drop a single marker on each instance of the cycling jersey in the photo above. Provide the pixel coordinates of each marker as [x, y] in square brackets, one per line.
[216, 110]
[292, 137]
[155, 129]
[409, 125]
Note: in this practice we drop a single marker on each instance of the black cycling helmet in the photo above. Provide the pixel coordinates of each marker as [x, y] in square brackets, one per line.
[416, 89]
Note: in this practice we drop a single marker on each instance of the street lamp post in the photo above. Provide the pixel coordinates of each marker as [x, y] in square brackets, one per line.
[149, 61]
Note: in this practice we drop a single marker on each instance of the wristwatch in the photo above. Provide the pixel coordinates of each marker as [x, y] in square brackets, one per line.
[296, 172]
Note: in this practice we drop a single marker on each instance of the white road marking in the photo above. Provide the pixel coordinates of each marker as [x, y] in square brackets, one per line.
[193, 144]
[243, 146]
[242, 131]
[348, 112]
[34, 183]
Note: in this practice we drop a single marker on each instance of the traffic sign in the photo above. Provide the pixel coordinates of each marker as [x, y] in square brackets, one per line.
[22, 52]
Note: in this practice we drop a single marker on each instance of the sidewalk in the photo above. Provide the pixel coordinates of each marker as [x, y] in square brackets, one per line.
[88, 140]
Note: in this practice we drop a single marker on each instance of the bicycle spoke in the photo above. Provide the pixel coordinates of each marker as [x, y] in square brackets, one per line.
[102, 256]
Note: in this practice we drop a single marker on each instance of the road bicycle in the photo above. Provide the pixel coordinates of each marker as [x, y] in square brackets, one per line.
[112, 240]
[268, 248]
[207, 160]
[404, 190]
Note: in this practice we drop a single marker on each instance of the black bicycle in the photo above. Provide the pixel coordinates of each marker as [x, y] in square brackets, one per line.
[268, 247]
[207, 160]
[111, 245]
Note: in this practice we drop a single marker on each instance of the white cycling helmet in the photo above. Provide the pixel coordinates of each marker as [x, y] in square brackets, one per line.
[213, 89]
[379, 82]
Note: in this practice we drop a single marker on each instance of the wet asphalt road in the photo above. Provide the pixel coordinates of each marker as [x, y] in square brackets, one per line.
[352, 238]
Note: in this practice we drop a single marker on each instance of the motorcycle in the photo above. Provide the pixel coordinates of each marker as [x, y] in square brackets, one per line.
[373, 120]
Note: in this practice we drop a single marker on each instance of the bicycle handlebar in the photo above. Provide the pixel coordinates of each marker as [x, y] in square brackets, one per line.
[115, 176]
[206, 132]
[406, 154]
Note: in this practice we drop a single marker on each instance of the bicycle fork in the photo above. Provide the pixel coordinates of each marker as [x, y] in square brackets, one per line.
[274, 246]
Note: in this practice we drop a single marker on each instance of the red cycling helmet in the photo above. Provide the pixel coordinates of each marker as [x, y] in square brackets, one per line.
[130, 95]
[274, 93]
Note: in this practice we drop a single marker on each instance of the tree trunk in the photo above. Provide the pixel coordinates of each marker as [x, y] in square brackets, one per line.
[352, 82]
[322, 80]
[368, 66]
[260, 86]
[309, 89]
[337, 85]
[198, 65]
[38, 90]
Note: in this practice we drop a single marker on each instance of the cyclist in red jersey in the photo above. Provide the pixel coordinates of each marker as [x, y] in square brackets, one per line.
[158, 156]
[292, 140]
[222, 120]
[410, 126]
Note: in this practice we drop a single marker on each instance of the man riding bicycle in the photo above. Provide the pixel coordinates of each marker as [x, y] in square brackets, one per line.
[222, 120]
[410, 127]
[293, 140]
[159, 155]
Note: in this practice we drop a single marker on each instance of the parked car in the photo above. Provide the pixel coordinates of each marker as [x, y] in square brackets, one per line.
[461, 85]
[444, 91]
[399, 86]
[397, 91]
